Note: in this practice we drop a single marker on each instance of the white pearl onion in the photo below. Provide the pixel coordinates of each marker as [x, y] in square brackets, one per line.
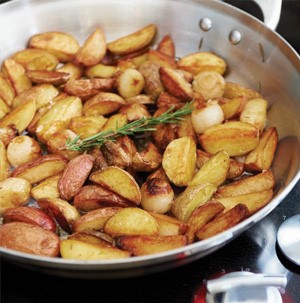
[157, 195]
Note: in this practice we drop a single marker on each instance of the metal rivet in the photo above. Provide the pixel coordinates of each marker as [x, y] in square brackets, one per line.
[235, 37]
[205, 24]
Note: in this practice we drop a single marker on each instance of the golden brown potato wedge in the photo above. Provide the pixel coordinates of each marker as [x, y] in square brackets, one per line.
[7, 92]
[235, 137]
[131, 221]
[79, 250]
[201, 216]
[93, 237]
[62, 45]
[140, 245]
[115, 121]
[202, 61]
[118, 181]
[4, 163]
[63, 212]
[234, 90]
[4, 108]
[166, 100]
[175, 84]
[21, 116]
[31, 215]
[262, 156]
[250, 184]
[253, 200]
[93, 50]
[214, 171]
[190, 199]
[48, 77]
[133, 41]
[180, 172]
[103, 104]
[29, 238]
[36, 59]
[101, 71]
[7, 133]
[223, 222]
[13, 192]
[186, 129]
[91, 197]
[74, 176]
[48, 188]
[42, 94]
[169, 226]
[95, 220]
[75, 71]
[41, 168]
[15, 72]
[232, 107]
[167, 46]
[135, 111]
[23, 149]
[161, 59]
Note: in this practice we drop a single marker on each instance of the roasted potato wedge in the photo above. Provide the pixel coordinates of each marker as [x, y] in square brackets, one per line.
[140, 245]
[118, 181]
[101, 71]
[167, 46]
[48, 77]
[29, 238]
[234, 90]
[4, 163]
[7, 133]
[7, 92]
[161, 59]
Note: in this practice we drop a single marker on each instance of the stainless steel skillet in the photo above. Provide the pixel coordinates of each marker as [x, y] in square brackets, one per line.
[257, 57]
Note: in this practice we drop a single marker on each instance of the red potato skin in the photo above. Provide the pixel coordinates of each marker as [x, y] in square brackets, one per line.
[31, 215]
[74, 176]
[30, 239]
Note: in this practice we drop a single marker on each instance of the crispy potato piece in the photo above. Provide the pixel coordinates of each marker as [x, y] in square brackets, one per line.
[93, 50]
[250, 184]
[31, 215]
[4, 108]
[95, 220]
[16, 75]
[175, 84]
[7, 133]
[214, 171]
[135, 111]
[147, 160]
[93, 237]
[41, 168]
[169, 226]
[87, 126]
[101, 71]
[36, 59]
[159, 173]
[23, 149]
[180, 172]
[232, 107]
[48, 188]
[103, 104]
[4, 163]
[58, 117]
[87, 88]
[164, 134]
[42, 94]
[30, 239]
[235, 137]
[74, 176]
[91, 197]
[234, 90]
[13, 192]
[118, 181]
[49, 77]
[255, 113]
[253, 200]
[161, 58]
[223, 222]
[21, 116]
[130, 83]
[202, 61]
[115, 121]
[79, 250]
[186, 129]
[131, 221]
[201, 216]
[75, 71]
[100, 161]
[57, 141]
[140, 245]
[61, 45]
[262, 156]
[133, 42]
[7, 92]
[167, 46]
[190, 199]
[63, 212]
[153, 85]
[166, 100]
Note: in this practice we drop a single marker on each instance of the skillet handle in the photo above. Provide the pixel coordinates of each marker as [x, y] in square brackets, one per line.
[271, 10]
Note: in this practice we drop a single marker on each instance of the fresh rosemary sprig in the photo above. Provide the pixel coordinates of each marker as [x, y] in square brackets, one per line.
[138, 126]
